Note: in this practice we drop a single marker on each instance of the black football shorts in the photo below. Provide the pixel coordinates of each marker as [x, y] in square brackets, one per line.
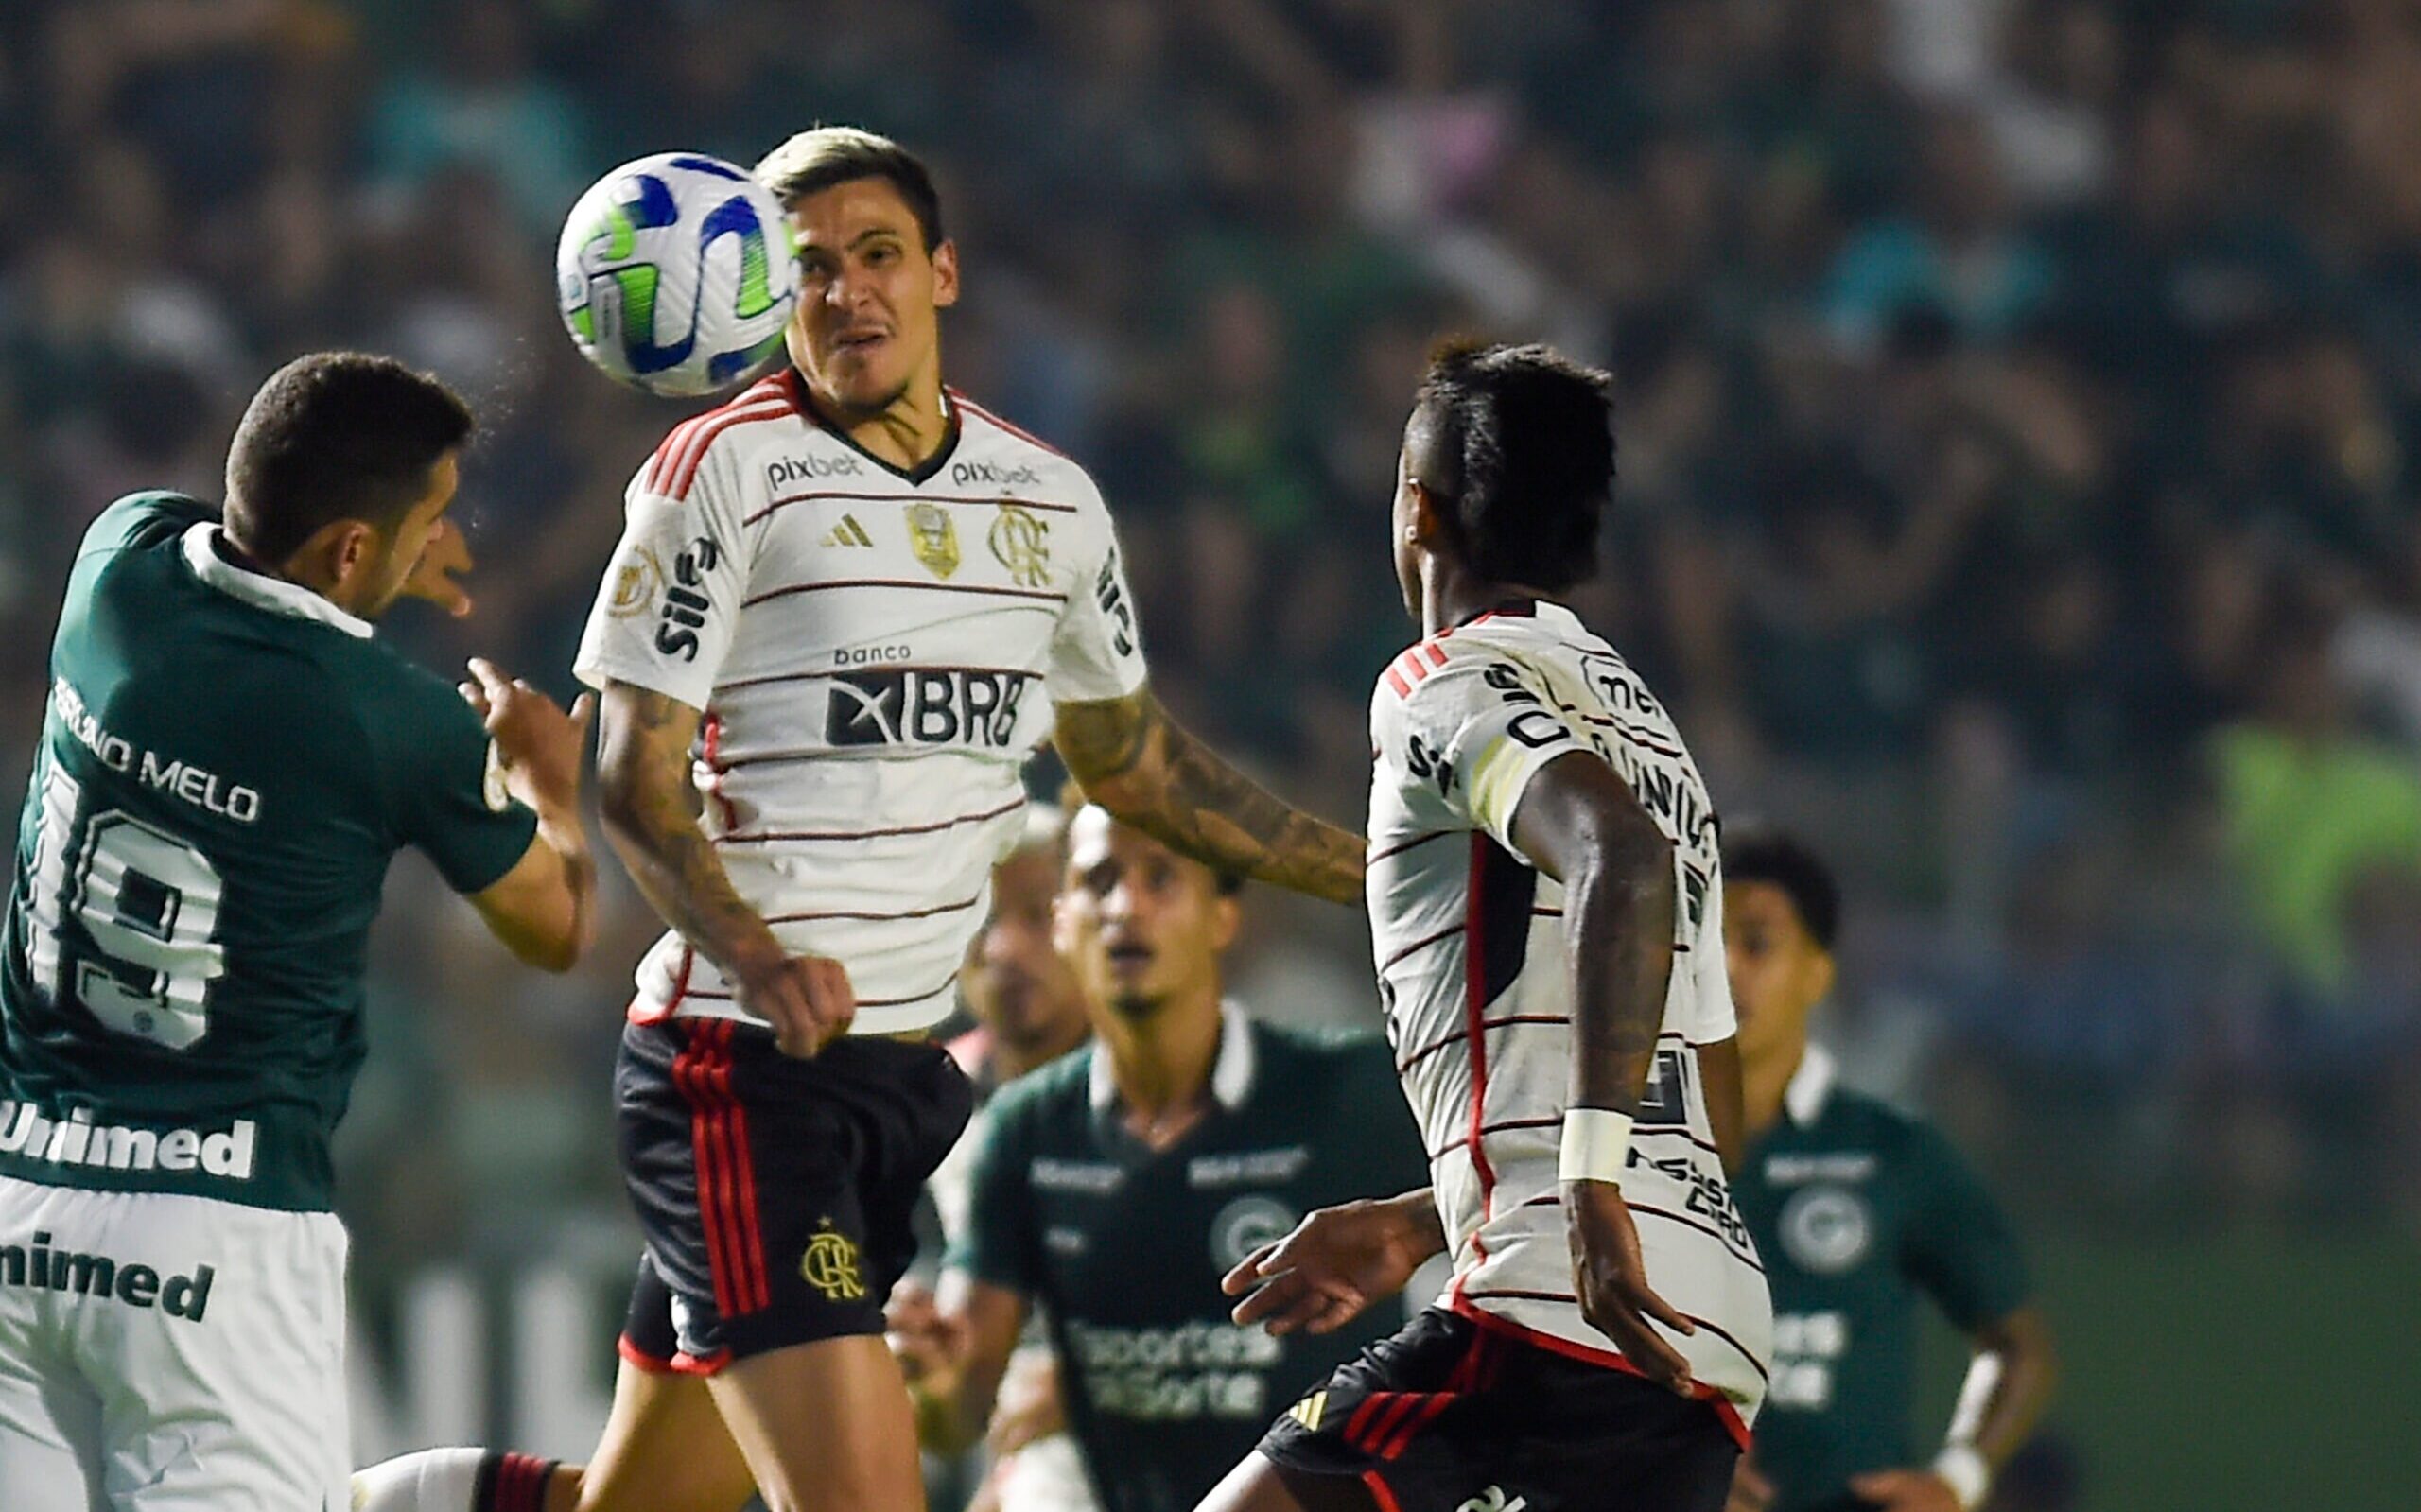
[1445, 1416]
[777, 1195]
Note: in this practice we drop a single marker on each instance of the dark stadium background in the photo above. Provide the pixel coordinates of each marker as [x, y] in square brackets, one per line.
[2021, 426]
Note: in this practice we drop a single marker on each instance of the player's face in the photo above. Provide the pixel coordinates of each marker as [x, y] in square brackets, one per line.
[1778, 970]
[1143, 925]
[1016, 981]
[385, 575]
[867, 327]
[1405, 524]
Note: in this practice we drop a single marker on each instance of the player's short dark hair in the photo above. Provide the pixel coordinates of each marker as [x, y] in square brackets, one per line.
[814, 161]
[336, 435]
[1759, 853]
[1518, 447]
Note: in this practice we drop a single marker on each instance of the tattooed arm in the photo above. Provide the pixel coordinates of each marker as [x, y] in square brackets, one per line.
[1134, 760]
[650, 813]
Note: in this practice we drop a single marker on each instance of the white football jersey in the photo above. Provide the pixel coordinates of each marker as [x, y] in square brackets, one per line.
[875, 654]
[1474, 973]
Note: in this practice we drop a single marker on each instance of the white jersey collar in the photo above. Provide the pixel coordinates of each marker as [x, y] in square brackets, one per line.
[1811, 1086]
[276, 595]
[1231, 1075]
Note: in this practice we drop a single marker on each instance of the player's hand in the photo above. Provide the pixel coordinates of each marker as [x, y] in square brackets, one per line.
[806, 997]
[1906, 1491]
[541, 745]
[1319, 1278]
[1750, 1491]
[1029, 1407]
[447, 557]
[1612, 1283]
[930, 1345]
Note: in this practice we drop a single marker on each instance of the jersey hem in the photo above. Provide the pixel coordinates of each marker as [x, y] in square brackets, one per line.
[1574, 1349]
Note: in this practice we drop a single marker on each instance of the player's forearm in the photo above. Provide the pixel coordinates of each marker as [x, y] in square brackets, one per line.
[1424, 1231]
[567, 837]
[1131, 759]
[650, 817]
[1618, 918]
[2008, 1386]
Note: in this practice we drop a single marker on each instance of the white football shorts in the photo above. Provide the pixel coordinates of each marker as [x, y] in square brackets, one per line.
[164, 1353]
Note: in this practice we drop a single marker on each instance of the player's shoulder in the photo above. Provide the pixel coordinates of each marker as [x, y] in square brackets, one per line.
[399, 704]
[724, 441]
[1050, 1090]
[1890, 1130]
[1299, 1058]
[999, 459]
[151, 517]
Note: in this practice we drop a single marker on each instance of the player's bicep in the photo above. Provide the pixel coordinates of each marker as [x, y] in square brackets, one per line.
[1475, 728]
[1096, 650]
[444, 784]
[1961, 1249]
[669, 607]
[534, 909]
[644, 738]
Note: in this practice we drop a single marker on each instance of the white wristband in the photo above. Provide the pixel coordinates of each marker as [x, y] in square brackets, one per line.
[1962, 1468]
[1596, 1144]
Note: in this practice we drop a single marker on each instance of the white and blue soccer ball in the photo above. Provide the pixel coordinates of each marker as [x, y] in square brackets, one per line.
[676, 275]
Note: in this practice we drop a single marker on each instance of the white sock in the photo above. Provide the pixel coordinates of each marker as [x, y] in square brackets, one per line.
[433, 1480]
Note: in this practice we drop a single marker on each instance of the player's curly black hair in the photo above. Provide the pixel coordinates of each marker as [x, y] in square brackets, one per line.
[1517, 445]
[336, 435]
[1760, 853]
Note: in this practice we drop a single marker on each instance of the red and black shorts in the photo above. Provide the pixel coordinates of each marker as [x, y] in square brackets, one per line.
[1445, 1414]
[778, 1195]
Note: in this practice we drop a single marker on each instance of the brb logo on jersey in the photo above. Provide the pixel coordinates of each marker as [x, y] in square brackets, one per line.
[687, 604]
[955, 705]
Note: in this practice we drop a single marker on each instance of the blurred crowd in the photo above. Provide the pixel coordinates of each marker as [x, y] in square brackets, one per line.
[2019, 410]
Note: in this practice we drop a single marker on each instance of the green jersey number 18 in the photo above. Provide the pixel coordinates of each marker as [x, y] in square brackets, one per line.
[150, 902]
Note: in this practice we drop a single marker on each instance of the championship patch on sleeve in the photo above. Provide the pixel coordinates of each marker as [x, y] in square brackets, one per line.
[493, 787]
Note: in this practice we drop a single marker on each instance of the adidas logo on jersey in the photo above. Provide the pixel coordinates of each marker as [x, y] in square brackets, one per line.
[848, 532]
[1310, 1411]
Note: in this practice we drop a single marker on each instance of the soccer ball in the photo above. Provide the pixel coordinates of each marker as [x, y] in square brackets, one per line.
[676, 275]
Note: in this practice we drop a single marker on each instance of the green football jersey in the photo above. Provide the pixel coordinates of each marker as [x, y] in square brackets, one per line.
[228, 764]
[1123, 1248]
[1858, 1211]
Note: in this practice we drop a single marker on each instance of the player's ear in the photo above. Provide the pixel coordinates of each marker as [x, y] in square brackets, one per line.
[334, 557]
[1227, 917]
[946, 274]
[1427, 520]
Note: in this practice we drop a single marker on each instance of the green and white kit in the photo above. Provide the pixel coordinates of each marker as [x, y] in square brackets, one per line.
[228, 764]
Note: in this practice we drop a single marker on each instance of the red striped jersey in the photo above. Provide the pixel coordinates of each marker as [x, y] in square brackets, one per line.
[875, 654]
[1474, 973]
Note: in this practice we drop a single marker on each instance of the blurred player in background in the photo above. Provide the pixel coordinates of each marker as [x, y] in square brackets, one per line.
[1115, 1187]
[1022, 993]
[1028, 1011]
[1545, 903]
[229, 763]
[846, 606]
[1858, 1209]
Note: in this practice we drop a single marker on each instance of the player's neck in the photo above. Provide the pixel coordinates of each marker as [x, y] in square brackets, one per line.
[1452, 595]
[1014, 1058]
[1161, 1065]
[903, 434]
[1764, 1087]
